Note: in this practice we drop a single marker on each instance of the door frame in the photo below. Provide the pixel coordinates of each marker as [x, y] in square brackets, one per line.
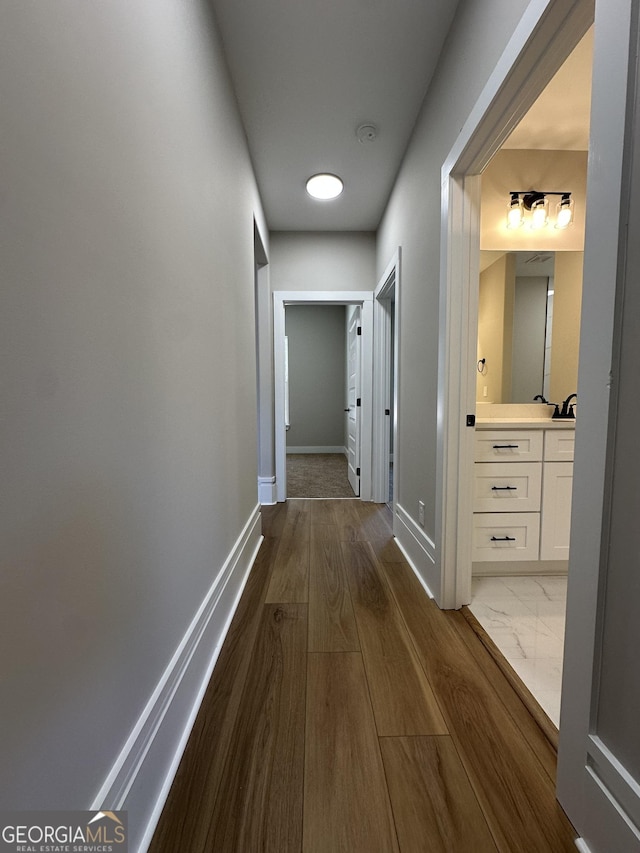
[388, 286]
[548, 31]
[353, 337]
[264, 370]
[282, 298]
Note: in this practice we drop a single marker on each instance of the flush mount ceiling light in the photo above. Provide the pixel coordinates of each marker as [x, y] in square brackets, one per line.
[324, 186]
[537, 203]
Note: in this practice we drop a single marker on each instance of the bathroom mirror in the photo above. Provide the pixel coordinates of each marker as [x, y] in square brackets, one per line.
[528, 325]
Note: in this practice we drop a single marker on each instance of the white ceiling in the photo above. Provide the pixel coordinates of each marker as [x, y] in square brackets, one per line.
[307, 74]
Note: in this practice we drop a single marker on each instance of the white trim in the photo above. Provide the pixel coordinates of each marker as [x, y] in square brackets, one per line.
[267, 490]
[381, 398]
[460, 251]
[170, 713]
[338, 448]
[264, 362]
[546, 33]
[611, 827]
[416, 546]
[282, 298]
[615, 778]
[388, 286]
[414, 569]
[606, 232]
[582, 845]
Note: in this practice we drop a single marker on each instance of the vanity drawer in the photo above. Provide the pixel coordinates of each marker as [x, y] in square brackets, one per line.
[559, 445]
[505, 536]
[507, 486]
[508, 445]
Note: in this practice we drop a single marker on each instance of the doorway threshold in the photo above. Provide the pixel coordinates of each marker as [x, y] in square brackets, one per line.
[526, 697]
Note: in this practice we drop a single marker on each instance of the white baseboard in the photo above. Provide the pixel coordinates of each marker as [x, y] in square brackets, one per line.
[267, 491]
[416, 546]
[330, 448]
[143, 773]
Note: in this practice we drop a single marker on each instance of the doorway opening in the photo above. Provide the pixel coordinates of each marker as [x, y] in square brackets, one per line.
[528, 319]
[358, 443]
[467, 514]
[317, 408]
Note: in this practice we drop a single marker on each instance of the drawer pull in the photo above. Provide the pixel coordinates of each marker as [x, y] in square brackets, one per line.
[503, 539]
[506, 446]
[504, 488]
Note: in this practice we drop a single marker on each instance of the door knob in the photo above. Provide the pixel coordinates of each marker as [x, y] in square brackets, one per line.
[347, 410]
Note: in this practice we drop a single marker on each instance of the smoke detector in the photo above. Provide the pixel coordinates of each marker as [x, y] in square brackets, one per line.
[367, 133]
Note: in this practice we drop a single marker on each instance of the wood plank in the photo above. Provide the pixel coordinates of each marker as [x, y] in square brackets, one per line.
[346, 802]
[240, 785]
[259, 803]
[402, 698]
[376, 520]
[347, 517]
[182, 827]
[321, 511]
[332, 624]
[290, 576]
[514, 693]
[386, 549]
[274, 517]
[513, 789]
[433, 802]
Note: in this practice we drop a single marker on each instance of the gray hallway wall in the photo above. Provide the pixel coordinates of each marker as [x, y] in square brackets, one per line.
[126, 317]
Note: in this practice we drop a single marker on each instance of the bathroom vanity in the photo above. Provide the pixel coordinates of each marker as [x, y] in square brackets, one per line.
[523, 477]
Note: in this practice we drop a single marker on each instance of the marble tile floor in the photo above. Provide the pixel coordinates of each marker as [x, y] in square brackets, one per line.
[525, 616]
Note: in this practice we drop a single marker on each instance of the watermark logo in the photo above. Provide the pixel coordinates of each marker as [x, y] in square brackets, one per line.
[63, 832]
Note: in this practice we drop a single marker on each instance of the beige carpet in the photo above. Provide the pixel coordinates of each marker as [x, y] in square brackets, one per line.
[317, 475]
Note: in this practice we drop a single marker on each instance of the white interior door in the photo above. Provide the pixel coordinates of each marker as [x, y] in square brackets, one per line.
[354, 332]
[599, 751]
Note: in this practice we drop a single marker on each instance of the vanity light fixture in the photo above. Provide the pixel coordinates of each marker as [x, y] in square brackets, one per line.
[564, 211]
[515, 212]
[539, 211]
[324, 186]
[537, 203]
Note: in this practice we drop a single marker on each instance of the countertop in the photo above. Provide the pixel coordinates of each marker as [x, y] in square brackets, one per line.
[525, 423]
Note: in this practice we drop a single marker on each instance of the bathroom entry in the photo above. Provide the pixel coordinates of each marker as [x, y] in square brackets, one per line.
[529, 304]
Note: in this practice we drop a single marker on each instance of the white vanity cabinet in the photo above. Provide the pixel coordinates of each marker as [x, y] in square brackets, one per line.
[522, 494]
[556, 494]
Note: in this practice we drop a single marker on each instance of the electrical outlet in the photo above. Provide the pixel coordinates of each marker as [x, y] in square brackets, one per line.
[485, 391]
[421, 513]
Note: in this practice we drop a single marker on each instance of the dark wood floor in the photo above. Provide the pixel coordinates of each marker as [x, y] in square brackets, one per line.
[348, 714]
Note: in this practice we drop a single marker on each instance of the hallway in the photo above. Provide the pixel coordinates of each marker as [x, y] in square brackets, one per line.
[347, 713]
